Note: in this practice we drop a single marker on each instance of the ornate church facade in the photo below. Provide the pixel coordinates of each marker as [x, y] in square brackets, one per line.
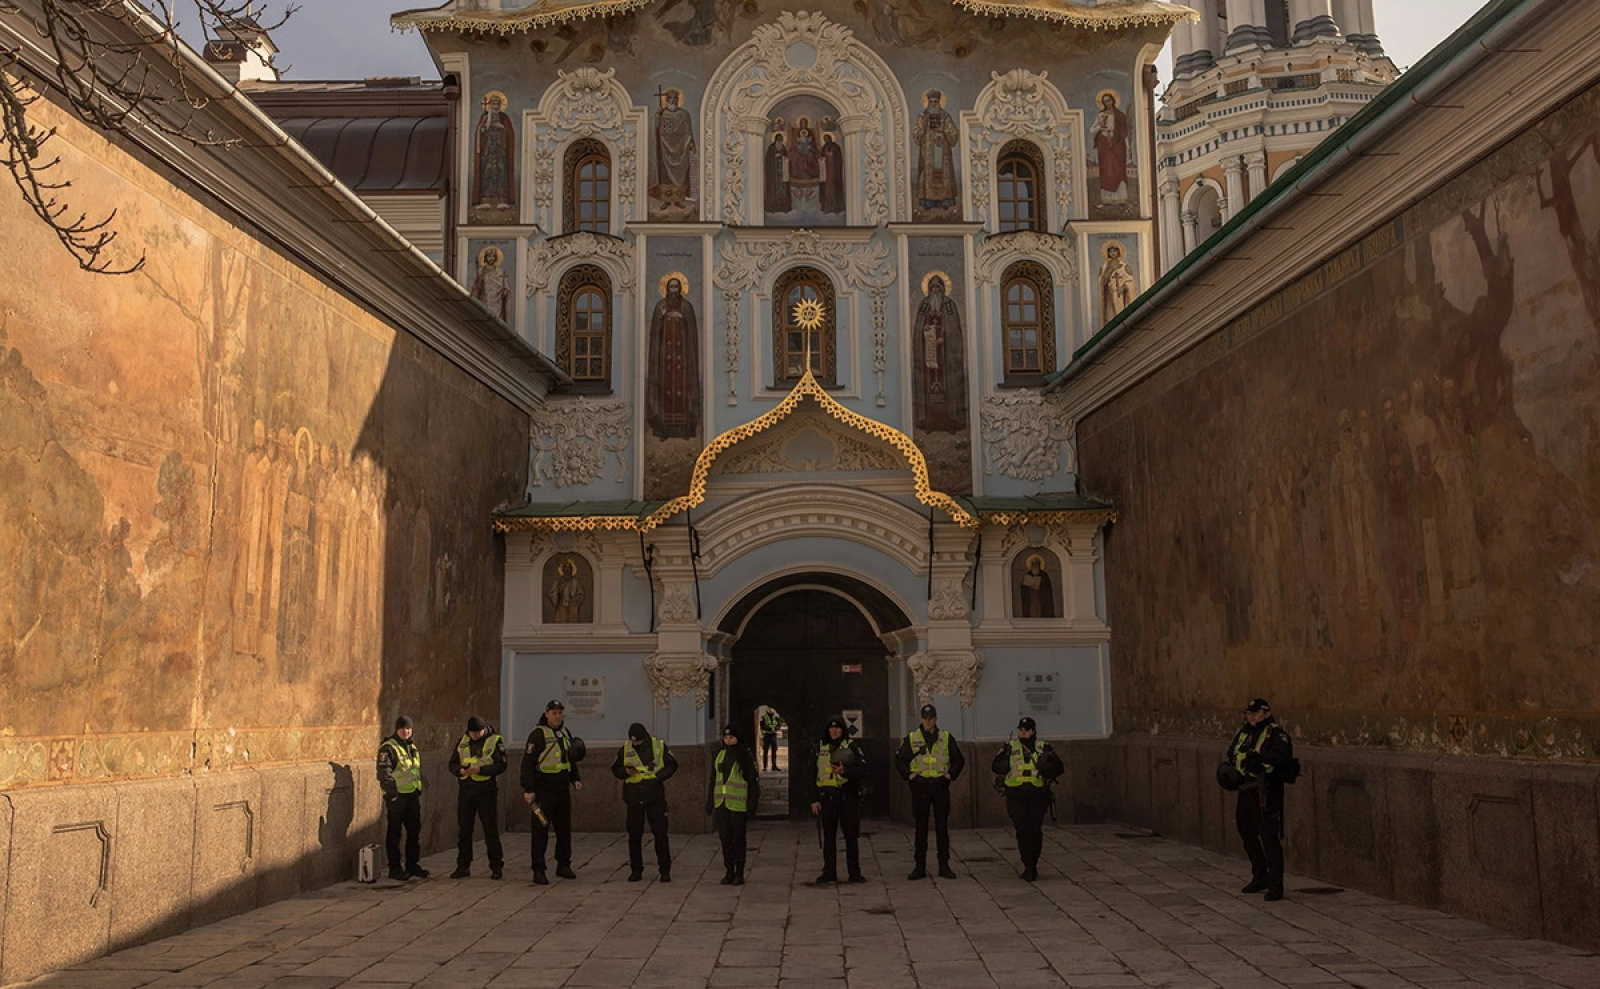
[807, 270]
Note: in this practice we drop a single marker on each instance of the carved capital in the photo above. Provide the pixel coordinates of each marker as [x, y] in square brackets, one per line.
[677, 605]
[953, 674]
[679, 674]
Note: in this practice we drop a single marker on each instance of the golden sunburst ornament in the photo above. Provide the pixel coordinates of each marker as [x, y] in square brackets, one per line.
[808, 314]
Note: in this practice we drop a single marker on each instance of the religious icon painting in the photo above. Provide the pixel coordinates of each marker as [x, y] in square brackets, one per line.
[1113, 179]
[492, 186]
[674, 160]
[804, 178]
[1117, 283]
[1035, 584]
[568, 590]
[936, 169]
[492, 274]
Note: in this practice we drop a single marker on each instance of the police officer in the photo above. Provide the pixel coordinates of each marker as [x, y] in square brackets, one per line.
[1260, 751]
[731, 801]
[400, 777]
[1028, 765]
[549, 775]
[930, 760]
[770, 723]
[479, 756]
[644, 764]
[836, 800]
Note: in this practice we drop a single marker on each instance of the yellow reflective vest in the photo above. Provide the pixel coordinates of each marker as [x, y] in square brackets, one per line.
[732, 791]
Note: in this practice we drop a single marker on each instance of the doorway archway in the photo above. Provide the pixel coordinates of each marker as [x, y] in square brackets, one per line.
[810, 645]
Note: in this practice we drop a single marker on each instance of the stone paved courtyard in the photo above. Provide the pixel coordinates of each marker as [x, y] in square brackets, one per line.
[1113, 909]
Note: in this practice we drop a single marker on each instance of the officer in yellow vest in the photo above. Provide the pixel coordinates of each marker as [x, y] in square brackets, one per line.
[770, 723]
[644, 764]
[731, 800]
[836, 800]
[400, 778]
[1260, 751]
[479, 757]
[549, 775]
[1028, 766]
[930, 760]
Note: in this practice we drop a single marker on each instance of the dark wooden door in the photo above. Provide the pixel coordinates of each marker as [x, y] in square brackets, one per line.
[811, 655]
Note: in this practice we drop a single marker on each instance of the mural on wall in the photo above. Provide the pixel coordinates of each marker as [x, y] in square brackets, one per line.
[492, 276]
[568, 584]
[1118, 285]
[674, 160]
[672, 393]
[494, 170]
[936, 182]
[708, 20]
[1035, 584]
[1399, 483]
[589, 40]
[804, 177]
[938, 347]
[1113, 182]
[948, 28]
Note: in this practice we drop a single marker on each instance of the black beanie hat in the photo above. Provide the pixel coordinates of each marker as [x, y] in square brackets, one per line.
[476, 723]
[402, 722]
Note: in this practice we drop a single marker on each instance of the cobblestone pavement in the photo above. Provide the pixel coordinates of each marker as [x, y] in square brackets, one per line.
[1112, 909]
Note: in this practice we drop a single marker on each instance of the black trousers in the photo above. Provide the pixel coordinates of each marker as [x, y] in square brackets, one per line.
[931, 794]
[403, 810]
[1259, 815]
[481, 806]
[557, 807]
[840, 812]
[769, 751]
[731, 825]
[657, 814]
[1027, 806]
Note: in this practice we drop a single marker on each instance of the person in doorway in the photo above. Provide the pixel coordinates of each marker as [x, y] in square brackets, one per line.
[731, 801]
[1028, 766]
[479, 757]
[836, 800]
[930, 760]
[644, 764]
[770, 723]
[400, 778]
[1260, 753]
[549, 775]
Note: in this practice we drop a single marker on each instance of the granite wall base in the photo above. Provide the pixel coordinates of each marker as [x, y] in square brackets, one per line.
[1511, 843]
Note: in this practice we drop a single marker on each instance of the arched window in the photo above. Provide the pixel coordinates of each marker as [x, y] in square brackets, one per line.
[1028, 321]
[803, 321]
[588, 187]
[1019, 187]
[583, 327]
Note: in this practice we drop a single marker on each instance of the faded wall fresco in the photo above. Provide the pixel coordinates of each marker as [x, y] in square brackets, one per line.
[242, 520]
[1376, 499]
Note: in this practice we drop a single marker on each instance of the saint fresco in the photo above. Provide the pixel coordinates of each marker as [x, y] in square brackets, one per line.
[674, 160]
[672, 395]
[936, 190]
[803, 173]
[940, 385]
[1111, 189]
[494, 172]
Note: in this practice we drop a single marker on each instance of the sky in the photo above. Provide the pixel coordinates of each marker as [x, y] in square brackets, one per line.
[351, 39]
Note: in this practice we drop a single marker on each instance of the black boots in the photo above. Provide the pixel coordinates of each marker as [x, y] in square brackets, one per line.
[565, 872]
[1255, 886]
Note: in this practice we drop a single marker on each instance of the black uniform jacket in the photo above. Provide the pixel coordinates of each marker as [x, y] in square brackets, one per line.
[493, 770]
[746, 761]
[645, 791]
[902, 758]
[1275, 752]
[531, 777]
[853, 771]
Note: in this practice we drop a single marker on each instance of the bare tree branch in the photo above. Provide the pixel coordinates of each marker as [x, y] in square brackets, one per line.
[118, 87]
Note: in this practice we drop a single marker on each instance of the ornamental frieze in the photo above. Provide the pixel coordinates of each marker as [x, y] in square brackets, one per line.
[1026, 437]
[950, 674]
[571, 442]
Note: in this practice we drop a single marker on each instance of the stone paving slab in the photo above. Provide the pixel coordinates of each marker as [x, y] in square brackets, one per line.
[1109, 911]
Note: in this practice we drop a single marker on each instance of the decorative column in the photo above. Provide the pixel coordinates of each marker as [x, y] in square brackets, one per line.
[1173, 233]
[1247, 25]
[1311, 21]
[1233, 170]
[1183, 45]
[1081, 560]
[1191, 223]
[1256, 161]
[1207, 36]
[1355, 21]
[947, 669]
[680, 668]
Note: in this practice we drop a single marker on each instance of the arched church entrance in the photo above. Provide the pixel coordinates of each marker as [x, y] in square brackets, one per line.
[810, 646]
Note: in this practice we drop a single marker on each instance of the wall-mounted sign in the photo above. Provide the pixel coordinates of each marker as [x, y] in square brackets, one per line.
[853, 725]
[585, 697]
[1039, 692]
[849, 667]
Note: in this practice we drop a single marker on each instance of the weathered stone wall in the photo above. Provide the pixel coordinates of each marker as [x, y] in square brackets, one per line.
[1376, 501]
[243, 523]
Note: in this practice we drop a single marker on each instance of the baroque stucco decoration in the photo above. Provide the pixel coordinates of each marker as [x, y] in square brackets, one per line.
[584, 103]
[808, 445]
[998, 251]
[569, 442]
[549, 259]
[951, 674]
[1022, 104]
[679, 674]
[804, 52]
[865, 267]
[1025, 436]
